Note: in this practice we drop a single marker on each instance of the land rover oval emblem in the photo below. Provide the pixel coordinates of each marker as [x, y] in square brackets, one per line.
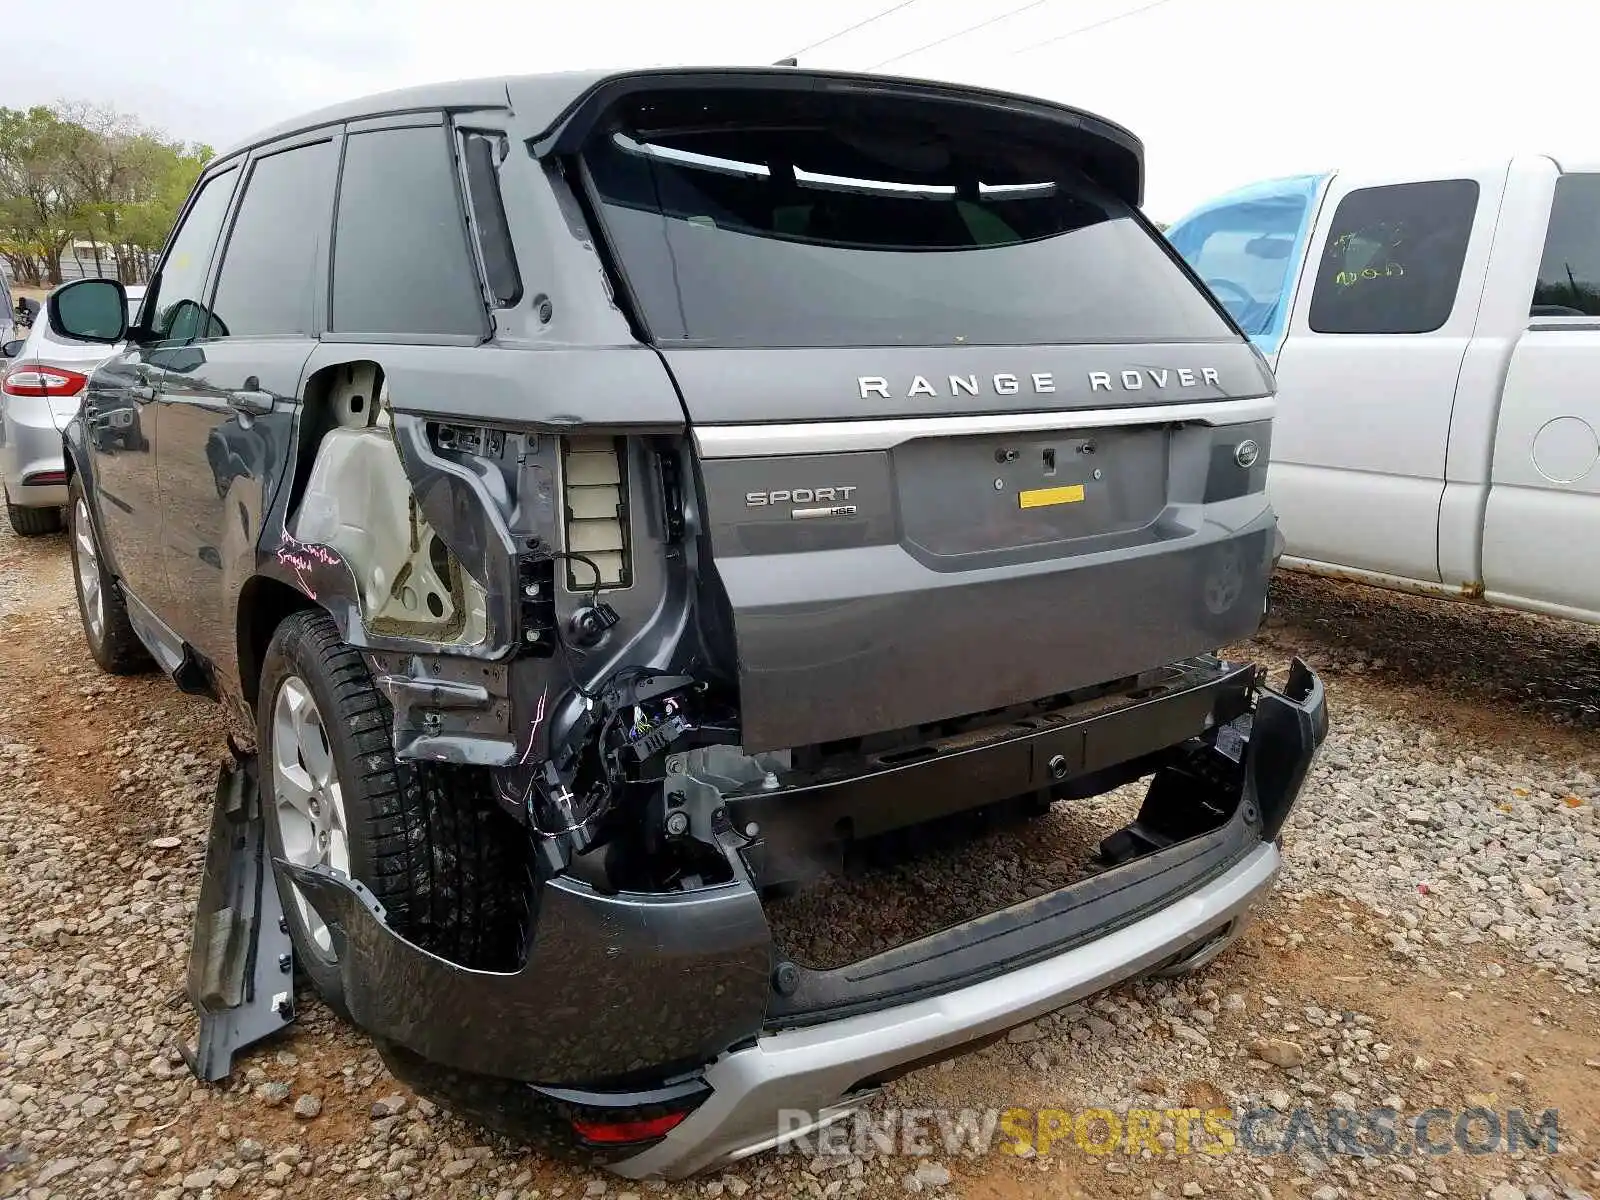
[1246, 453]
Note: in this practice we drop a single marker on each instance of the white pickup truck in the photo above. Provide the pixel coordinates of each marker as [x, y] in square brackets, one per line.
[1436, 338]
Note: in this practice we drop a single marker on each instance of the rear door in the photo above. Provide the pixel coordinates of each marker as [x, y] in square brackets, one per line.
[231, 392]
[1367, 376]
[1544, 497]
[957, 407]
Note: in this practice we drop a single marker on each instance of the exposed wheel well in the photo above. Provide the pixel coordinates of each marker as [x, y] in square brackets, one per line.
[263, 605]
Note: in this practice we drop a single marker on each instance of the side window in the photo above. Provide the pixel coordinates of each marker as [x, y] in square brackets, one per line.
[269, 269]
[1569, 274]
[179, 301]
[401, 260]
[1393, 259]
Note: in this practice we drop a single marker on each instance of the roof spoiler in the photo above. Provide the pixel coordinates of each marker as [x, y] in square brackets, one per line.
[1110, 154]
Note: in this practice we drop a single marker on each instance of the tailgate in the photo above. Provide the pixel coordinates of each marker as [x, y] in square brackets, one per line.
[887, 574]
[969, 432]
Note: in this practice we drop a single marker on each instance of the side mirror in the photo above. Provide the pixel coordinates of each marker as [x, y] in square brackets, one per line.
[90, 310]
[12, 349]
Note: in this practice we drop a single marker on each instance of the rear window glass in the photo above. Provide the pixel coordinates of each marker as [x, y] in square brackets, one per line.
[1569, 272]
[811, 238]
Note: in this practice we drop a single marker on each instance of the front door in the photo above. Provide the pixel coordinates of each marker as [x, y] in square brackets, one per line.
[122, 409]
[228, 425]
[1367, 375]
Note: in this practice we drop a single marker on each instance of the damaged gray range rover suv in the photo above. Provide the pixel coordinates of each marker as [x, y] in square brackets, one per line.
[613, 497]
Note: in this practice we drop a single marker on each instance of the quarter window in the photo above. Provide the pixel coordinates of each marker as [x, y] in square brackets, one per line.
[401, 261]
[179, 302]
[269, 269]
[1393, 260]
[1569, 274]
[489, 220]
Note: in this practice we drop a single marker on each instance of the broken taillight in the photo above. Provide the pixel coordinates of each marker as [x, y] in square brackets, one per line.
[41, 379]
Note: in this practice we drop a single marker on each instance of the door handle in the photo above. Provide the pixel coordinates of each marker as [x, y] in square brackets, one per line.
[143, 391]
[252, 403]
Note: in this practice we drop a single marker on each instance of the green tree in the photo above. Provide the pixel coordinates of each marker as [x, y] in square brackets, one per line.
[36, 199]
[145, 225]
[80, 171]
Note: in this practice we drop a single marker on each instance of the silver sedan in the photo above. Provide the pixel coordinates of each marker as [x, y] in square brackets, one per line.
[44, 379]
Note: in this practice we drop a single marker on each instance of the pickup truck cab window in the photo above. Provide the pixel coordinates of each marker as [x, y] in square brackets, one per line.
[1569, 272]
[1393, 259]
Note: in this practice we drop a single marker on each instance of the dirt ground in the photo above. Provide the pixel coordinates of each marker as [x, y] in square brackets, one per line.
[93, 928]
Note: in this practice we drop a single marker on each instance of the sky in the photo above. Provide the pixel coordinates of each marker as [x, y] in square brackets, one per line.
[1223, 92]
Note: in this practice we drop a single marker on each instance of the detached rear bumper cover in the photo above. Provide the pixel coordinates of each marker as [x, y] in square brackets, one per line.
[632, 986]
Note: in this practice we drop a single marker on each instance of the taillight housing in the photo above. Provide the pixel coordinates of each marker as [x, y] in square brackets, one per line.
[42, 379]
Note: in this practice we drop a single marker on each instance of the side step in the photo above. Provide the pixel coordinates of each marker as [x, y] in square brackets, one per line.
[241, 963]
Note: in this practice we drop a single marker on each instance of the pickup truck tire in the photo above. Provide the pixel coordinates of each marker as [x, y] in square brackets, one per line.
[114, 645]
[427, 840]
[33, 522]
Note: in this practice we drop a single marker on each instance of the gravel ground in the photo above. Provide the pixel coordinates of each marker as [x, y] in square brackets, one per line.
[1434, 941]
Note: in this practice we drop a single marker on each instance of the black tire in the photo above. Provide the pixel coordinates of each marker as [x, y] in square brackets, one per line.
[33, 522]
[115, 647]
[428, 841]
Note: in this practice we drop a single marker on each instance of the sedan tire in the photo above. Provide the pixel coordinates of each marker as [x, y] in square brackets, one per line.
[33, 522]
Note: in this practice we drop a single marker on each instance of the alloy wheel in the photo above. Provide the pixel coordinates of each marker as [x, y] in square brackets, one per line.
[307, 795]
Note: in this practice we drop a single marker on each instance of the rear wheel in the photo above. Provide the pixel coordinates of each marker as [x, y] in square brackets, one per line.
[101, 608]
[426, 840]
[33, 522]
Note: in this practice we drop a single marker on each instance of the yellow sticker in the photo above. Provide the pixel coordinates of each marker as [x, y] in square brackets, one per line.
[1044, 497]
